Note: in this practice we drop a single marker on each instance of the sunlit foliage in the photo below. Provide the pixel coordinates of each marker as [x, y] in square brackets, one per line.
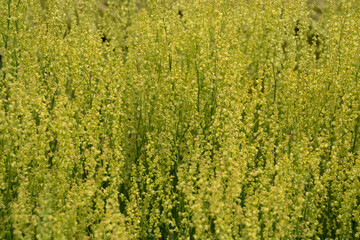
[179, 119]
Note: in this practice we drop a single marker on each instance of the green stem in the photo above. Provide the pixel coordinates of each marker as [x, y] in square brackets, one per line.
[356, 130]
[275, 81]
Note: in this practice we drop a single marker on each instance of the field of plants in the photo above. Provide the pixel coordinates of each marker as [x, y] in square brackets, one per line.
[179, 119]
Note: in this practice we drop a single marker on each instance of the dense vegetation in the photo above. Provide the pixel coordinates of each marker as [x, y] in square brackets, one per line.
[178, 119]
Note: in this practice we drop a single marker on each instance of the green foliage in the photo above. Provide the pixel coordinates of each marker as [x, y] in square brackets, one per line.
[177, 119]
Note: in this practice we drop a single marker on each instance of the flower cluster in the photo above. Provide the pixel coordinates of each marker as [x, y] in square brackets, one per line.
[177, 119]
